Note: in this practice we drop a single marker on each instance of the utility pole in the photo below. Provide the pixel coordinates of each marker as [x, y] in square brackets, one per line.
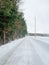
[35, 26]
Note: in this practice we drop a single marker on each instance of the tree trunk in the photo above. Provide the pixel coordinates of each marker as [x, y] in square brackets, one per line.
[4, 37]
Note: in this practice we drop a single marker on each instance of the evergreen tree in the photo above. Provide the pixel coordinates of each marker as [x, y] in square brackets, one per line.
[12, 23]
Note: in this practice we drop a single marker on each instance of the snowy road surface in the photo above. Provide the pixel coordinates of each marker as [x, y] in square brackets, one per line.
[25, 51]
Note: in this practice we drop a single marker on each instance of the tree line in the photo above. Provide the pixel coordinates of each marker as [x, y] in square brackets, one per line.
[12, 22]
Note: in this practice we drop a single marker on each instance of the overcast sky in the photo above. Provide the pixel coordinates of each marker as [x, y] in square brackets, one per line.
[40, 9]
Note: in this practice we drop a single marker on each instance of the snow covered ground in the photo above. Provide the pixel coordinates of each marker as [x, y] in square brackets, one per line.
[26, 51]
[44, 39]
[7, 50]
[41, 45]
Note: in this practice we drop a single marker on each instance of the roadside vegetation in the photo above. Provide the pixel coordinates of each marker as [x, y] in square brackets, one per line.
[12, 22]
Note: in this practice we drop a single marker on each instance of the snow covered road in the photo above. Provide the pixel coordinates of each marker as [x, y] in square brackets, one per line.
[26, 51]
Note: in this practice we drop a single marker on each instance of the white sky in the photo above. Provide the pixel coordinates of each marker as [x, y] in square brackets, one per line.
[40, 9]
